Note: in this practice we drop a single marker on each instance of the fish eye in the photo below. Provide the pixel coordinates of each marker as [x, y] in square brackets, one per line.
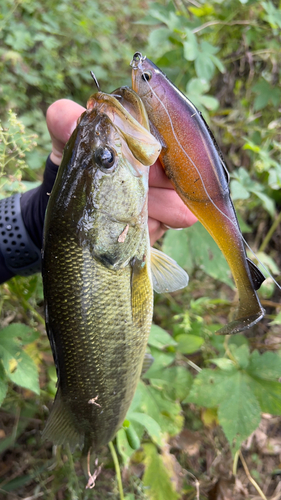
[105, 157]
[146, 76]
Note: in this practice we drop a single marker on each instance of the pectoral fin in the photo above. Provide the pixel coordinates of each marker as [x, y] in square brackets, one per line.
[167, 275]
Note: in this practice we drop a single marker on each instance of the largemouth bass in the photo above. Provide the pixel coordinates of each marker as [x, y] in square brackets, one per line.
[98, 271]
[194, 164]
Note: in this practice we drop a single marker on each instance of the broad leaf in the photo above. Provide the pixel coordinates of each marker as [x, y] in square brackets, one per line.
[164, 411]
[239, 412]
[176, 380]
[188, 343]
[156, 478]
[19, 367]
[160, 338]
[197, 249]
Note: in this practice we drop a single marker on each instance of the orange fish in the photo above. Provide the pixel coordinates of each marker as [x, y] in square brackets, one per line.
[194, 164]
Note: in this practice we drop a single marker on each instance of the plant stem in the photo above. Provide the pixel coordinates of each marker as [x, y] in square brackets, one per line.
[117, 469]
[270, 233]
[251, 479]
[72, 468]
[33, 310]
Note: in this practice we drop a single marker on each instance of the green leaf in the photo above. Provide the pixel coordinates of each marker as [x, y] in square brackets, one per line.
[152, 427]
[190, 46]
[268, 364]
[239, 412]
[176, 381]
[238, 191]
[159, 40]
[268, 394]
[277, 320]
[160, 338]
[267, 202]
[240, 354]
[165, 412]
[187, 344]
[223, 363]
[197, 249]
[123, 446]
[19, 332]
[210, 387]
[161, 360]
[204, 66]
[3, 384]
[156, 478]
[19, 367]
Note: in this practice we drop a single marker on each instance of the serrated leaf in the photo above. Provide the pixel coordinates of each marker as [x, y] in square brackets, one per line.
[239, 412]
[210, 387]
[156, 478]
[160, 338]
[187, 343]
[268, 394]
[268, 364]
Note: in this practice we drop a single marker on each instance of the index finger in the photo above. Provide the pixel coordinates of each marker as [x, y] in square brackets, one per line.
[158, 178]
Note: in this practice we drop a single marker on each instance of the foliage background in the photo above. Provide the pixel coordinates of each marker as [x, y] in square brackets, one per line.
[204, 395]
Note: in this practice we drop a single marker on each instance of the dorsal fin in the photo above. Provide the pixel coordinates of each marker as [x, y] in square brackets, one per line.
[256, 275]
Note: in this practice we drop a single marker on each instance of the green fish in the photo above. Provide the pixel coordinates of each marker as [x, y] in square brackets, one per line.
[99, 270]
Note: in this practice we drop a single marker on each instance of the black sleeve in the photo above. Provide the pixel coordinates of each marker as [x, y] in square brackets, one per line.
[33, 207]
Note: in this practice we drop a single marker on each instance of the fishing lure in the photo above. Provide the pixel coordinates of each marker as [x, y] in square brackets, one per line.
[194, 164]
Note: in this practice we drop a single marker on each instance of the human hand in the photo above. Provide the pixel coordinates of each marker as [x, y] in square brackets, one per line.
[165, 208]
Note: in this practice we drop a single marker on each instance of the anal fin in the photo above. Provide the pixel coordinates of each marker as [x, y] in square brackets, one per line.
[60, 428]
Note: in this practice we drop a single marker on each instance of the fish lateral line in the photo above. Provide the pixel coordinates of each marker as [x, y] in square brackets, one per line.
[136, 64]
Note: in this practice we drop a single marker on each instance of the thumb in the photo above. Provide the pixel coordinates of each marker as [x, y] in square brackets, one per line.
[61, 120]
